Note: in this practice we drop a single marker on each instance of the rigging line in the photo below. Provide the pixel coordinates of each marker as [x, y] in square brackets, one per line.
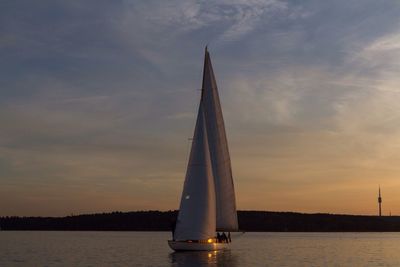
[190, 140]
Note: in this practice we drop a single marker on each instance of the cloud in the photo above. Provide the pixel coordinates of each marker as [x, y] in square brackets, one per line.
[386, 43]
[225, 20]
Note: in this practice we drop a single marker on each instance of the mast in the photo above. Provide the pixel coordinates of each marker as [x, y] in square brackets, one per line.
[219, 153]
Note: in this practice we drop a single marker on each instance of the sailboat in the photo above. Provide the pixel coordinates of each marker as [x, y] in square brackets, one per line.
[208, 199]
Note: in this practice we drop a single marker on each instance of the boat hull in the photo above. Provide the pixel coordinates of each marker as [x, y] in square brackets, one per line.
[194, 246]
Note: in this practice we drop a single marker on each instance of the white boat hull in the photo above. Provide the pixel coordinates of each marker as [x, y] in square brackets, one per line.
[194, 246]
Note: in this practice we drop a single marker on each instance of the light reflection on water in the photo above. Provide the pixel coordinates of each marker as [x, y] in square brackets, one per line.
[203, 258]
[26, 248]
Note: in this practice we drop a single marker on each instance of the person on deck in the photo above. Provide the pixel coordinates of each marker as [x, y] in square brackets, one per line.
[224, 238]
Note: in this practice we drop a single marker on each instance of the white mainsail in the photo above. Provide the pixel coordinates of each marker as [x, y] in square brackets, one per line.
[208, 197]
[197, 218]
[218, 146]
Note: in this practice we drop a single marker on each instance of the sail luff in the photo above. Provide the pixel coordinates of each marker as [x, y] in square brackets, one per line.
[197, 213]
[220, 160]
[204, 74]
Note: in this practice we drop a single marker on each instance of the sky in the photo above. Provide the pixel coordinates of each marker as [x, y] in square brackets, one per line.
[98, 99]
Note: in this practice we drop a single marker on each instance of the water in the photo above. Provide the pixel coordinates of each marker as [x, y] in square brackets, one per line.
[151, 249]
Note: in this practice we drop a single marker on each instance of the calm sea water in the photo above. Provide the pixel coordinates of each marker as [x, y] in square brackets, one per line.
[151, 249]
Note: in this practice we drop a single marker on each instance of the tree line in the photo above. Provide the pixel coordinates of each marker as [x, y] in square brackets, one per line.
[258, 221]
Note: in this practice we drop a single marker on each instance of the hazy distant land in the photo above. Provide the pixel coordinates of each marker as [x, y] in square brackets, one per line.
[261, 221]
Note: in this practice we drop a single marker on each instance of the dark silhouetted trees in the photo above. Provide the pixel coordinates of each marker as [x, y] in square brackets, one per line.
[262, 221]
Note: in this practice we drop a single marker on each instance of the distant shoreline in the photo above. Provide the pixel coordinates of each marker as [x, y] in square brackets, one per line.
[249, 221]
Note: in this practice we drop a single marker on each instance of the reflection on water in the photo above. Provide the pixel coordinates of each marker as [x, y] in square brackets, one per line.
[203, 258]
[150, 249]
